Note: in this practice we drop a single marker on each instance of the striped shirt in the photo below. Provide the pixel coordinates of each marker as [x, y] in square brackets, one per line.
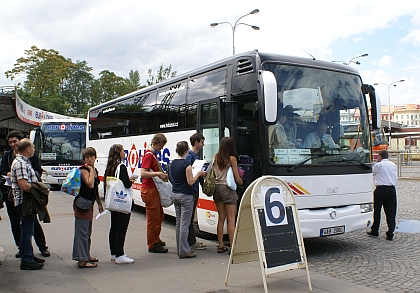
[21, 169]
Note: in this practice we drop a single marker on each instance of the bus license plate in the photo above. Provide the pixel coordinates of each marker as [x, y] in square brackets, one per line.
[332, 231]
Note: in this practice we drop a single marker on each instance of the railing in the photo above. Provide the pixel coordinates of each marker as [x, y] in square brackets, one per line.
[408, 163]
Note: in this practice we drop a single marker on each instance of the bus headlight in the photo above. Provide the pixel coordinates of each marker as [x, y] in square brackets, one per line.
[366, 208]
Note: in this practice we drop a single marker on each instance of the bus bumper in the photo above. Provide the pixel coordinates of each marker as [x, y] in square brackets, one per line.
[54, 181]
[333, 221]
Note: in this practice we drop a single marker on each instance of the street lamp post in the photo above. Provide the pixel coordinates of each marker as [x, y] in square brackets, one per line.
[389, 105]
[357, 62]
[236, 24]
[351, 60]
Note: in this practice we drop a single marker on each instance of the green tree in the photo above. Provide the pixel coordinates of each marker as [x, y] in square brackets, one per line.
[45, 72]
[133, 81]
[162, 74]
[109, 86]
[78, 87]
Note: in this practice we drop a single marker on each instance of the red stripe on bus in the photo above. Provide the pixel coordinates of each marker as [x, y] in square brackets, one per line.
[206, 204]
[294, 188]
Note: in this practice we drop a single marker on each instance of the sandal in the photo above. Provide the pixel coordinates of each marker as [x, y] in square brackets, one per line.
[86, 264]
[222, 249]
[93, 259]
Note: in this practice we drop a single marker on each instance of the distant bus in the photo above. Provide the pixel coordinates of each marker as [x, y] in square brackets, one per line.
[241, 97]
[379, 142]
[59, 143]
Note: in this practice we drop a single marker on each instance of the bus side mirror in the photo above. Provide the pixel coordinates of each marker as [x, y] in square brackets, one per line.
[269, 87]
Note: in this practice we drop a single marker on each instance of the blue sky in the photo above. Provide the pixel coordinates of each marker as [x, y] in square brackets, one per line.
[136, 34]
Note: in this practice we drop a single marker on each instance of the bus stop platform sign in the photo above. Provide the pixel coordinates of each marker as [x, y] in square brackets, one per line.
[267, 229]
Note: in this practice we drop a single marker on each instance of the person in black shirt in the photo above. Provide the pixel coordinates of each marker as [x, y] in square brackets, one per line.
[182, 179]
[119, 221]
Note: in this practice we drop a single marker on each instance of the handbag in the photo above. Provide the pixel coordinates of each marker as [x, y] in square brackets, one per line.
[230, 179]
[209, 185]
[118, 198]
[83, 204]
[164, 188]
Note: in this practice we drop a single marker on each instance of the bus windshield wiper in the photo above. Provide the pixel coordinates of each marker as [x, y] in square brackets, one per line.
[290, 169]
[345, 160]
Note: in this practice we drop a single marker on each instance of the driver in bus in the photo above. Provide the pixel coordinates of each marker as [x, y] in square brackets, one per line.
[277, 135]
[320, 137]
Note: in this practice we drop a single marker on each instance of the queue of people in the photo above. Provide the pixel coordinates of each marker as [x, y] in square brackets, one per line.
[24, 168]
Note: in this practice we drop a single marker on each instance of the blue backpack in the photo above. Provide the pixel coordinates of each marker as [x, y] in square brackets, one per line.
[73, 182]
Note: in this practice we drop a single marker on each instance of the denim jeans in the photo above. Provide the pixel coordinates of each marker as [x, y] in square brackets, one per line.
[26, 233]
[191, 234]
[14, 218]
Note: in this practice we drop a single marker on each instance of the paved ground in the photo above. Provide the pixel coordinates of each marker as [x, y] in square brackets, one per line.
[352, 262]
[392, 266]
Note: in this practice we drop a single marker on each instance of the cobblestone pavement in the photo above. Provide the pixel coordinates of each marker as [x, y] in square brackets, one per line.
[391, 266]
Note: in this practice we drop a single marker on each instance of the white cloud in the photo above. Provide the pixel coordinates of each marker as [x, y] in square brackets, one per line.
[126, 34]
[413, 37]
[386, 61]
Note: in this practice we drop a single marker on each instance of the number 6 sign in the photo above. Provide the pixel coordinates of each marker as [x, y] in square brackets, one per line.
[274, 208]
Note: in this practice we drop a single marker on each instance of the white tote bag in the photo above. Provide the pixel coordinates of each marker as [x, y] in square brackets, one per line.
[230, 179]
[118, 198]
[165, 191]
[164, 187]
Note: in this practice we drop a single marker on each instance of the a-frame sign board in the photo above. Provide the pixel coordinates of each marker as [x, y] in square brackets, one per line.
[268, 229]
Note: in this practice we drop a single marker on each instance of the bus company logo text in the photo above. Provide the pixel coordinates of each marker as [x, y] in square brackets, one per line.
[68, 127]
[169, 125]
[134, 157]
[332, 190]
[62, 168]
[42, 115]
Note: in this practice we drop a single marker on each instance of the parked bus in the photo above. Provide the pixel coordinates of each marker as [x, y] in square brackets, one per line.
[59, 143]
[241, 97]
[379, 142]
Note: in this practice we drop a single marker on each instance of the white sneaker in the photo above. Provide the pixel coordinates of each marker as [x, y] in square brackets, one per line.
[112, 257]
[123, 259]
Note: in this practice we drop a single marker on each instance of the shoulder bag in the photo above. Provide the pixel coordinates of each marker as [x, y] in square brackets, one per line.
[118, 198]
[83, 204]
[230, 179]
[164, 188]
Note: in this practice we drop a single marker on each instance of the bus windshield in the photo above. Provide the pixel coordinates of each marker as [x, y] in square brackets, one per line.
[315, 109]
[62, 142]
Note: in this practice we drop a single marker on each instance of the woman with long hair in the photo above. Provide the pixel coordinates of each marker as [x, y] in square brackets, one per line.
[119, 221]
[182, 179]
[225, 198]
